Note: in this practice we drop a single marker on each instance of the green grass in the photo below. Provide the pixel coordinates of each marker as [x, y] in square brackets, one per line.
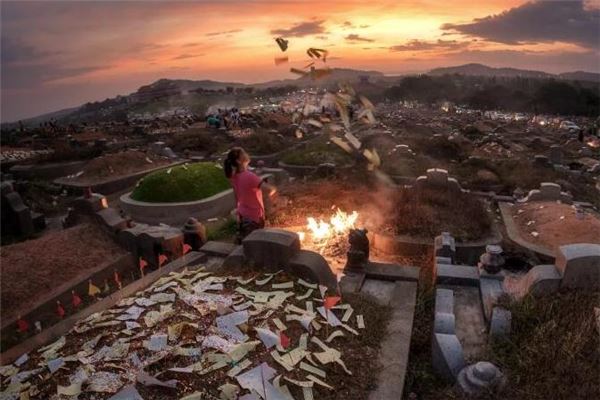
[317, 153]
[184, 183]
[226, 230]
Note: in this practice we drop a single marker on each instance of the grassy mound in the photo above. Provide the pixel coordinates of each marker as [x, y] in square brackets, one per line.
[184, 183]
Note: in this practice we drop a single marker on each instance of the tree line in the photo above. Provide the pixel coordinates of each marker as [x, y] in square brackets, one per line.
[518, 94]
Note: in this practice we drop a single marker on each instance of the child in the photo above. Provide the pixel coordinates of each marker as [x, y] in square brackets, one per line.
[247, 188]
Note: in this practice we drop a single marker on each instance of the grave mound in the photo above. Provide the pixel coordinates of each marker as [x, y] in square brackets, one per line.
[182, 183]
[33, 268]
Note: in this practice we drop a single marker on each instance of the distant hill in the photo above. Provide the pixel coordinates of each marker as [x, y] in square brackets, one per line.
[484, 70]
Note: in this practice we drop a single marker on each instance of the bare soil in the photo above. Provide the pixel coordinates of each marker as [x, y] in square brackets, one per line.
[32, 268]
[556, 224]
[118, 164]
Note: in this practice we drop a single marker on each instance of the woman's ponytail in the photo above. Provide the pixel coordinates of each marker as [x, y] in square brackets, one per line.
[231, 161]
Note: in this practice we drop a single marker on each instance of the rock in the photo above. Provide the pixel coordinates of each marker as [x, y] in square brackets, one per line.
[447, 356]
[479, 377]
[271, 248]
[579, 265]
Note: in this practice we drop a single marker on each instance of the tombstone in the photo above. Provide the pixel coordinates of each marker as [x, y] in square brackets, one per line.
[579, 265]
[556, 154]
[491, 261]
[540, 160]
[447, 355]
[16, 216]
[271, 248]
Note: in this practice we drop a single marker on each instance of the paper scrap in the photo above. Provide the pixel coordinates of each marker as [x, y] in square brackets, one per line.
[263, 281]
[347, 315]
[148, 380]
[318, 381]
[268, 337]
[227, 324]
[239, 368]
[127, 393]
[299, 383]
[329, 316]
[284, 285]
[306, 284]
[257, 379]
[334, 335]
[104, 382]
[312, 370]
[239, 351]
[156, 342]
[360, 322]
[280, 325]
[307, 393]
[71, 390]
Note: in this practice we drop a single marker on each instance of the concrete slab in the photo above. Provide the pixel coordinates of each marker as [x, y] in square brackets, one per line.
[470, 323]
[447, 356]
[395, 347]
[392, 272]
[457, 275]
[490, 290]
[380, 290]
[351, 282]
[221, 249]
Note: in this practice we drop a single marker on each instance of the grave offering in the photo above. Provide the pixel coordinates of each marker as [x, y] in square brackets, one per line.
[193, 332]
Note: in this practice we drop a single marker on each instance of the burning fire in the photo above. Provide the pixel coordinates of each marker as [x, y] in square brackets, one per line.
[339, 224]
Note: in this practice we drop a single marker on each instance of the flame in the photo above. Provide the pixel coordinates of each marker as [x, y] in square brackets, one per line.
[339, 224]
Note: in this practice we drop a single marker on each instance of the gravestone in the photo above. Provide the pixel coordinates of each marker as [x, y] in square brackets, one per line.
[271, 248]
[579, 265]
[556, 154]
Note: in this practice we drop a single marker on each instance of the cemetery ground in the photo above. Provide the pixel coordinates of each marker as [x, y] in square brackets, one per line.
[439, 172]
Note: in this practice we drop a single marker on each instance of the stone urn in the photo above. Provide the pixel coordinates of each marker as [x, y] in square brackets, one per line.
[492, 260]
[479, 377]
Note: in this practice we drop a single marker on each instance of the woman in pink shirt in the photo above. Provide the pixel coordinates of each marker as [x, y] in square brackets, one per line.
[247, 187]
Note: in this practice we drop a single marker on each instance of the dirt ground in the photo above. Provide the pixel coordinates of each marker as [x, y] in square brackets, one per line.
[116, 164]
[556, 224]
[33, 268]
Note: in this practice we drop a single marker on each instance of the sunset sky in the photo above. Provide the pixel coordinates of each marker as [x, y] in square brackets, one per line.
[62, 54]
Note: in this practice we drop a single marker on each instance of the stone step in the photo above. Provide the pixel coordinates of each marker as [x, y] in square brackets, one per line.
[393, 355]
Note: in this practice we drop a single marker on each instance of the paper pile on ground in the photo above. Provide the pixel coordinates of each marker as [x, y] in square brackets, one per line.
[195, 335]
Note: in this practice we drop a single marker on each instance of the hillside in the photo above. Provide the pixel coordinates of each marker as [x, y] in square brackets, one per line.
[484, 70]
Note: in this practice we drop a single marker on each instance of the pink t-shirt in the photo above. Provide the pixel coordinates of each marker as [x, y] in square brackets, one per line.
[246, 186]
